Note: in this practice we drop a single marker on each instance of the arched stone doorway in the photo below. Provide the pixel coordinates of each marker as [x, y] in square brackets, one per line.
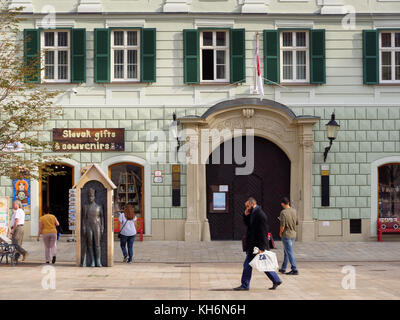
[111, 162]
[269, 120]
[268, 183]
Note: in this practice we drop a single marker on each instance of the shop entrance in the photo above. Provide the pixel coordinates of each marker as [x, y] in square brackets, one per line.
[54, 194]
[128, 177]
[227, 192]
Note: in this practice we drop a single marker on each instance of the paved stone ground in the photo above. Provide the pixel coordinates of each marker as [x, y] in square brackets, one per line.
[230, 251]
[182, 270]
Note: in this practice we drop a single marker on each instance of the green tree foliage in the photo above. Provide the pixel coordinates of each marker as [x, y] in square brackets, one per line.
[24, 107]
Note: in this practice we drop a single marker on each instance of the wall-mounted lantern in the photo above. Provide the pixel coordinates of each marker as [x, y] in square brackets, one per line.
[332, 128]
[175, 129]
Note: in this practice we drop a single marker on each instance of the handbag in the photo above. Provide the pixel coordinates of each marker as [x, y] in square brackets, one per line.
[119, 233]
[58, 232]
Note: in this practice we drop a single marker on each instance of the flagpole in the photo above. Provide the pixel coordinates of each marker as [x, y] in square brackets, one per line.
[255, 66]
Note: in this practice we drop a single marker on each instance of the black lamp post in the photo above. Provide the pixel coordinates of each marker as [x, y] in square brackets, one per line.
[175, 131]
[332, 128]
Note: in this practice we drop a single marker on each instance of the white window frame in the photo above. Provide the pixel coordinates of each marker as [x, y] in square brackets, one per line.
[294, 49]
[55, 48]
[391, 49]
[214, 47]
[125, 47]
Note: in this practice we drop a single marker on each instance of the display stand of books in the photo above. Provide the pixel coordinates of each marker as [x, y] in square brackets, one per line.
[129, 192]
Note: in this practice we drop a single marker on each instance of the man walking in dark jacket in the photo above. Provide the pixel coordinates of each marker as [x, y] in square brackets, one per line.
[256, 236]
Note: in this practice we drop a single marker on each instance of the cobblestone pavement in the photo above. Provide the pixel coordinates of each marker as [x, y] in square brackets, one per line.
[207, 270]
[230, 251]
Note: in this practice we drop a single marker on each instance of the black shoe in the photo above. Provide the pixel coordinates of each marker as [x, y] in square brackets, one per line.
[240, 288]
[53, 261]
[275, 285]
[282, 271]
[293, 272]
[47, 262]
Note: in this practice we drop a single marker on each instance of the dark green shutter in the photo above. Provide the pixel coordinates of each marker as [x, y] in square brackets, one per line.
[237, 56]
[191, 56]
[101, 55]
[317, 56]
[371, 56]
[32, 53]
[148, 55]
[78, 55]
[271, 56]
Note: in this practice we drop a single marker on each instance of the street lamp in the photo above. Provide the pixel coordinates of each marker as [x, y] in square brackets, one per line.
[332, 128]
[175, 131]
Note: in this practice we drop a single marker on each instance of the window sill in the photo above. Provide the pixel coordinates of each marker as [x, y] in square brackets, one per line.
[58, 82]
[299, 84]
[212, 84]
[127, 82]
[388, 84]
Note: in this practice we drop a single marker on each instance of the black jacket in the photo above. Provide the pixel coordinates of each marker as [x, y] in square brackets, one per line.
[257, 230]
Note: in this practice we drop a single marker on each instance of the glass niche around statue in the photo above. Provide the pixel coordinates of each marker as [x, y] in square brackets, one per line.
[94, 224]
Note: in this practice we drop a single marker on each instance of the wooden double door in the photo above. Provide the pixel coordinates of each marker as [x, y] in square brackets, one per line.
[268, 183]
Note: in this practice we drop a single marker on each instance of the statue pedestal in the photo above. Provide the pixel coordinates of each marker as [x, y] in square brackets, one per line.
[94, 220]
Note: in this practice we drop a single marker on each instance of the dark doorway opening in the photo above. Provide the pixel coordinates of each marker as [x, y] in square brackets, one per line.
[268, 183]
[55, 194]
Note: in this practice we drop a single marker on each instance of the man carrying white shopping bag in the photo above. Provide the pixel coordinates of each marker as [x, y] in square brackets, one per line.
[256, 236]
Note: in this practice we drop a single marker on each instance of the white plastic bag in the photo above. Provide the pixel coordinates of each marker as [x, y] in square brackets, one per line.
[265, 261]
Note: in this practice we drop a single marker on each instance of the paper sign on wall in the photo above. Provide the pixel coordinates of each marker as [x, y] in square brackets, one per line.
[3, 216]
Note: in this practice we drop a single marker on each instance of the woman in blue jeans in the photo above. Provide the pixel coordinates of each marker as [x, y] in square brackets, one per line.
[127, 221]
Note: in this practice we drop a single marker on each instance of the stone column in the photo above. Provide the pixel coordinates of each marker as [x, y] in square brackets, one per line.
[306, 221]
[193, 223]
[202, 184]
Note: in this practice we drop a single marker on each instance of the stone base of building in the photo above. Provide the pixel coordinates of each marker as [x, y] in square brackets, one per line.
[339, 230]
[168, 229]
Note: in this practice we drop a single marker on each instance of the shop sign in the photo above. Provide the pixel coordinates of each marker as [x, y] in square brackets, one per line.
[88, 140]
[158, 177]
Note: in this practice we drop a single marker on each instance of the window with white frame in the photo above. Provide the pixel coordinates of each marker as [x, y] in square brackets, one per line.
[125, 55]
[214, 56]
[389, 50]
[56, 56]
[294, 56]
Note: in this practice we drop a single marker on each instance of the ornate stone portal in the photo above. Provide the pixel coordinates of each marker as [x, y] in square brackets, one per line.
[94, 225]
[272, 121]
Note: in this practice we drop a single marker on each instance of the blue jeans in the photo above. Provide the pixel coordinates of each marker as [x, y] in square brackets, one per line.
[247, 270]
[288, 253]
[127, 240]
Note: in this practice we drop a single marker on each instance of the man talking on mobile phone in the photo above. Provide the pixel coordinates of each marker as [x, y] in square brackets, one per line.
[257, 230]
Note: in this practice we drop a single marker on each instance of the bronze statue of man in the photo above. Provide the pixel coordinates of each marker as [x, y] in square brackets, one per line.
[92, 230]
